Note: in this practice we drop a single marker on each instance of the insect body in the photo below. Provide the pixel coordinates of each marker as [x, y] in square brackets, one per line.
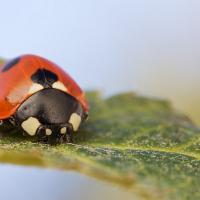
[38, 97]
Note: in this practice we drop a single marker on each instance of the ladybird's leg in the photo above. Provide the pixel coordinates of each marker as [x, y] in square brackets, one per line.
[41, 136]
[5, 122]
[6, 126]
[43, 140]
[1, 122]
[12, 121]
[69, 135]
[85, 116]
[1, 125]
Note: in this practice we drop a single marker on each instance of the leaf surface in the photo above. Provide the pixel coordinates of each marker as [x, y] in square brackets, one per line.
[136, 142]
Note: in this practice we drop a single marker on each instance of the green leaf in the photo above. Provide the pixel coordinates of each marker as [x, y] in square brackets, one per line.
[136, 142]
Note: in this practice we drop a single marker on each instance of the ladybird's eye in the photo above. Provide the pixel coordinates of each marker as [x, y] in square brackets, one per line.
[25, 108]
[63, 130]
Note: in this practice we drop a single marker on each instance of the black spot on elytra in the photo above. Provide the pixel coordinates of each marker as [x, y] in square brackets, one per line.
[44, 77]
[10, 64]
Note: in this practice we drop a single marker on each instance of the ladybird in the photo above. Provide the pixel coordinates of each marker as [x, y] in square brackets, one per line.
[41, 99]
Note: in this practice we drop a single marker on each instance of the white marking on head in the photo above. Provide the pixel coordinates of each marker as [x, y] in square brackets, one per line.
[35, 88]
[63, 130]
[31, 125]
[75, 120]
[48, 131]
[60, 86]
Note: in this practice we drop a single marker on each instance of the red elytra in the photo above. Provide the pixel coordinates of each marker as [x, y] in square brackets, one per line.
[15, 83]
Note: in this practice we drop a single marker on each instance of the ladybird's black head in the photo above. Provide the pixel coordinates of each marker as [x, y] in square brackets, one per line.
[50, 114]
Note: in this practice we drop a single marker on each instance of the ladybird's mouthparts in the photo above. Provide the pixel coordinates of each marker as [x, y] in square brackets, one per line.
[55, 133]
[55, 129]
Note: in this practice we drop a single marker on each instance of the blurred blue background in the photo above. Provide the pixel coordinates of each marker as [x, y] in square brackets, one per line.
[151, 47]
